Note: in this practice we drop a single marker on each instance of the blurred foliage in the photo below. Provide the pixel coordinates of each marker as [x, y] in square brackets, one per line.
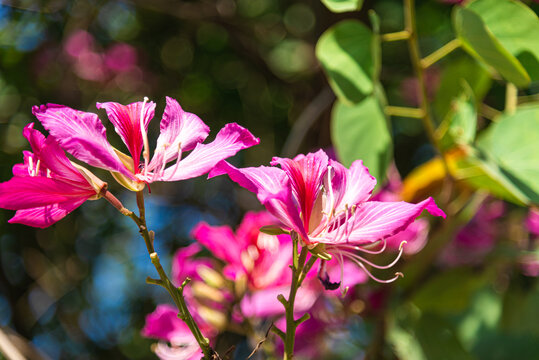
[77, 290]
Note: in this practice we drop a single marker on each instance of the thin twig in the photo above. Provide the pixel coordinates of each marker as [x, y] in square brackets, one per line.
[440, 53]
[306, 120]
[259, 344]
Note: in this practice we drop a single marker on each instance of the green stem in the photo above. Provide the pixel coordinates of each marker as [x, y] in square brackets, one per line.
[291, 324]
[415, 57]
[396, 36]
[511, 98]
[175, 293]
[404, 112]
[440, 53]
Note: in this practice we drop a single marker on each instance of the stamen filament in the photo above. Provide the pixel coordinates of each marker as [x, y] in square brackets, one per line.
[362, 259]
[146, 152]
[30, 166]
[36, 171]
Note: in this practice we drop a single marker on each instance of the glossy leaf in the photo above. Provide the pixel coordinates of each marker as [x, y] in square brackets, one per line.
[361, 132]
[482, 173]
[347, 54]
[513, 143]
[479, 41]
[514, 25]
[339, 6]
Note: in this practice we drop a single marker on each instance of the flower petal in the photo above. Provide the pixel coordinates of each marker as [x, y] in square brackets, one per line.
[126, 121]
[264, 303]
[272, 187]
[306, 173]
[82, 134]
[45, 216]
[231, 139]
[35, 191]
[220, 240]
[359, 185]
[378, 220]
[179, 130]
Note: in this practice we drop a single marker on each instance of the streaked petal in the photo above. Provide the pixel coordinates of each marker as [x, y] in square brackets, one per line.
[45, 216]
[272, 187]
[359, 185]
[51, 156]
[35, 191]
[378, 220]
[126, 121]
[231, 139]
[179, 129]
[81, 134]
[306, 173]
[220, 240]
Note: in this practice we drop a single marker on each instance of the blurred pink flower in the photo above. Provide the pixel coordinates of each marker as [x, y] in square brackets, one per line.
[87, 62]
[79, 43]
[532, 221]
[121, 57]
[260, 259]
[325, 203]
[184, 264]
[475, 239]
[410, 86]
[164, 324]
[83, 135]
[47, 186]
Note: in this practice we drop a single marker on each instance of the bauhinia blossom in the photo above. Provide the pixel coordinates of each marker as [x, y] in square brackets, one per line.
[47, 186]
[83, 135]
[164, 324]
[328, 206]
[257, 261]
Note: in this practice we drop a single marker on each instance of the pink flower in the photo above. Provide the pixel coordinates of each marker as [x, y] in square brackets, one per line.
[532, 221]
[164, 324]
[475, 239]
[416, 233]
[83, 135]
[47, 186]
[258, 259]
[328, 205]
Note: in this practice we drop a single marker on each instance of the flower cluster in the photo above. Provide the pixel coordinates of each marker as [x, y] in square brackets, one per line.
[328, 206]
[48, 186]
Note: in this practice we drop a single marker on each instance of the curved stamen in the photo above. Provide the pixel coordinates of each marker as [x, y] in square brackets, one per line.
[369, 274]
[36, 171]
[178, 158]
[30, 166]
[362, 259]
[368, 251]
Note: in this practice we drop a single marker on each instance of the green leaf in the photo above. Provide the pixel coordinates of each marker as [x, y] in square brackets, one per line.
[426, 336]
[456, 71]
[361, 132]
[273, 230]
[438, 340]
[479, 41]
[514, 25]
[459, 126]
[513, 144]
[483, 313]
[485, 174]
[339, 6]
[347, 53]
[448, 292]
